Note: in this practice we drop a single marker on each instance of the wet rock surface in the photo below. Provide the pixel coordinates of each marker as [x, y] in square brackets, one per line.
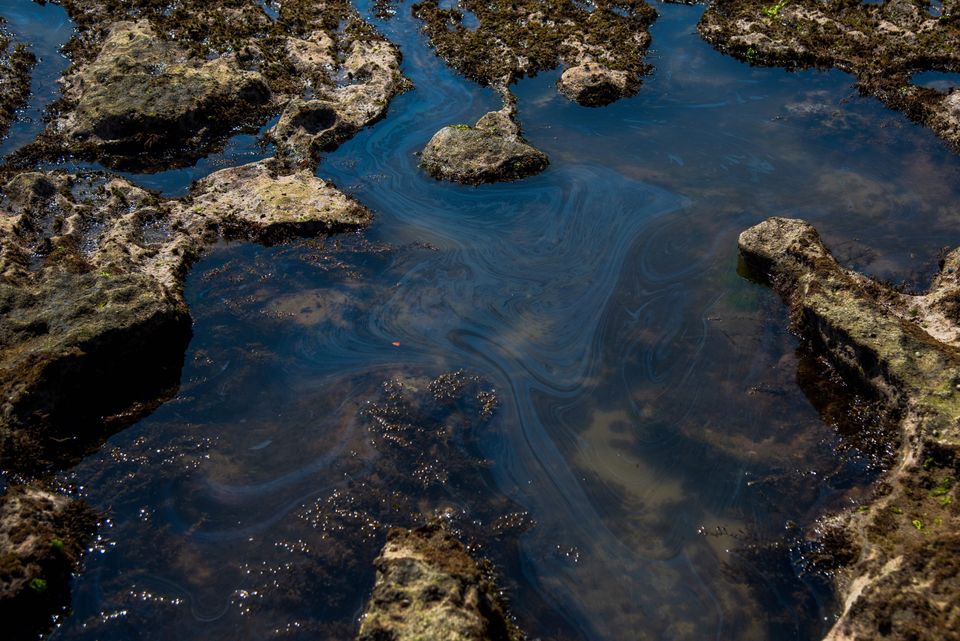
[602, 45]
[492, 150]
[429, 587]
[43, 535]
[895, 556]
[882, 44]
[142, 93]
[152, 86]
[91, 269]
[16, 63]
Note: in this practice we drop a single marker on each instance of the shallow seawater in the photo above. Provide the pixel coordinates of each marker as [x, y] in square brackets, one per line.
[45, 28]
[653, 443]
[944, 81]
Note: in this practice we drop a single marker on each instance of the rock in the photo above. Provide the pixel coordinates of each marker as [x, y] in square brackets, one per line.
[897, 569]
[592, 85]
[91, 274]
[173, 85]
[604, 48]
[42, 538]
[308, 127]
[250, 201]
[882, 44]
[143, 94]
[428, 588]
[491, 151]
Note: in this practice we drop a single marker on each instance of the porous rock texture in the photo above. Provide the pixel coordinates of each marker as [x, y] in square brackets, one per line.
[601, 45]
[882, 44]
[492, 150]
[428, 588]
[896, 557]
[154, 85]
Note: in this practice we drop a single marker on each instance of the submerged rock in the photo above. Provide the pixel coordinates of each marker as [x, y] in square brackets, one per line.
[603, 46]
[91, 273]
[490, 151]
[896, 557]
[42, 538]
[16, 63]
[882, 44]
[429, 588]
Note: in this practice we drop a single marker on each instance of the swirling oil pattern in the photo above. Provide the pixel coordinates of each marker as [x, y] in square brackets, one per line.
[659, 440]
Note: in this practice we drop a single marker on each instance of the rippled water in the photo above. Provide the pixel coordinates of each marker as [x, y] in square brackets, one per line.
[654, 443]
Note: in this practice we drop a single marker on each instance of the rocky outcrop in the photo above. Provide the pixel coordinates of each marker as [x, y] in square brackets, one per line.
[16, 63]
[144, 99]
[170, 86]
[428, 588]
[42, 538]
[896, 556]
[882, 44]
[603, 48]
[308, 127]
[91, 269]
[492, 150]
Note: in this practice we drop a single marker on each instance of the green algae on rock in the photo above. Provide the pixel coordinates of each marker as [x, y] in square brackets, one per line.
[142, 94]
[91, 273]
[492, 150]
[154, 86]
[428, 588]
[43, 535]
[882, 44]
[16, 63]
[896, 557]
[603, 48]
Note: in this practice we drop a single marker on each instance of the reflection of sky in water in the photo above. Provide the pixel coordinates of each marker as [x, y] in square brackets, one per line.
[646, 390]
[45, 28]
[940, 80]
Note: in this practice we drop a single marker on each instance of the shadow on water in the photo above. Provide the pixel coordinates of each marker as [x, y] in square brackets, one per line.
[650, 432]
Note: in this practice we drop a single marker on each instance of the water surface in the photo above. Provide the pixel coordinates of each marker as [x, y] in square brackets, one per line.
[659, 434]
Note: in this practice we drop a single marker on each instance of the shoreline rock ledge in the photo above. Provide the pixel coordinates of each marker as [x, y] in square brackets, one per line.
[895, 558]
[429, 589]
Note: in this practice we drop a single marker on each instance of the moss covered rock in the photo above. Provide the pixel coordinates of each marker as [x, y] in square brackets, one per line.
[428, 588]
[492, 150]
[516, 39]
[43, 535]
[143, 98]
[895, 558]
